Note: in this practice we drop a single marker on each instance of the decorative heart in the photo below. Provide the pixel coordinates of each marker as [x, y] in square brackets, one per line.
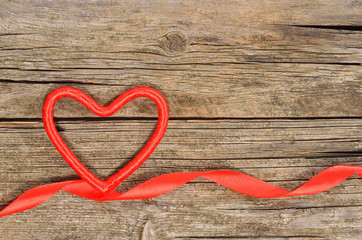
[113, 181]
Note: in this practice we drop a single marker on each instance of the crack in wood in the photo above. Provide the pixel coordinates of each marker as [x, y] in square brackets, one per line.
[333, 27]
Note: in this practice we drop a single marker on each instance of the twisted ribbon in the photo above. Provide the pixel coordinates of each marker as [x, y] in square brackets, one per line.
[91, 187]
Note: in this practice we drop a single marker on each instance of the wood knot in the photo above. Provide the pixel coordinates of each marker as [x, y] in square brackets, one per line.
[174, 42]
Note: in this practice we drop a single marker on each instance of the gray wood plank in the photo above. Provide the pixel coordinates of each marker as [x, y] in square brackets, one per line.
[213, 59]
[284, 152]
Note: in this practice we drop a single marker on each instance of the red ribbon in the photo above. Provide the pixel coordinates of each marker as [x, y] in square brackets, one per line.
[91, 187]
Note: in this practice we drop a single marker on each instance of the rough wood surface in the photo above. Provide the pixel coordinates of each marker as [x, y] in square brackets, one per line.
[285, 152]
[268, 88]
[210, 59]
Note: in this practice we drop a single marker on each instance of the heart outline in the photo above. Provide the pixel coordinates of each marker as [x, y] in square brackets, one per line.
[113, 181]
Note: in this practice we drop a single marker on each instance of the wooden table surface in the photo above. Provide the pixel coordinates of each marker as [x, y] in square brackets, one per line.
[267, 88]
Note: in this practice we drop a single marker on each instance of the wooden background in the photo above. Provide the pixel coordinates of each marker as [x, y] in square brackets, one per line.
[268, 88]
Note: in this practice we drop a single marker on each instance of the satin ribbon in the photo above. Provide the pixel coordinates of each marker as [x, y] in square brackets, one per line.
[93, 188]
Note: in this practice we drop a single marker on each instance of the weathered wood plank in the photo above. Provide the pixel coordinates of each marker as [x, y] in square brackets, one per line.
[211, 59]
[76, 218]
[188, 144]
[285, 152]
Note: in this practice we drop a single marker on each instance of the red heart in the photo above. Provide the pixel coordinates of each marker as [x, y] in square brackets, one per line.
[114, 180]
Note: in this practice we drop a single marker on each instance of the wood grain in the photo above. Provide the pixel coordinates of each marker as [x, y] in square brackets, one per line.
[210, 59]
[284, 152]
[268, 88]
